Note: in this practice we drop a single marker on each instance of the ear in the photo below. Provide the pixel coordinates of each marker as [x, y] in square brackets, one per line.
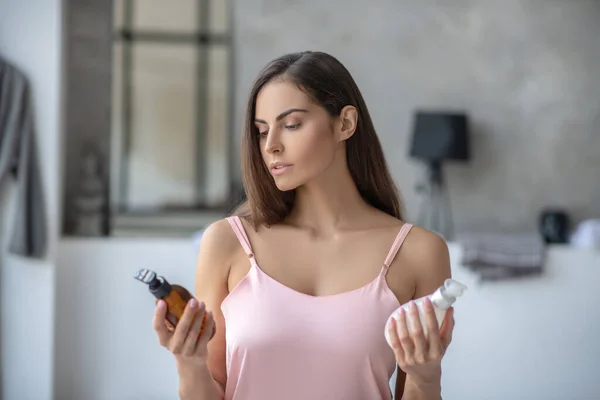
[348, 120]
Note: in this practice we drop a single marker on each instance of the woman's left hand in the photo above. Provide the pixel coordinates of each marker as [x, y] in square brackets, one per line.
[419, 356]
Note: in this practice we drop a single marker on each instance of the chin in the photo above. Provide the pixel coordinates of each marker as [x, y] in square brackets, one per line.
[285, 185]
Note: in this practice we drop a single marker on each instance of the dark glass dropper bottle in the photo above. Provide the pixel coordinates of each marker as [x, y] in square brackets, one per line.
[175, 296]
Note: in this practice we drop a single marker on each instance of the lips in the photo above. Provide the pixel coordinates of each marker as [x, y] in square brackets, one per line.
[278, 168]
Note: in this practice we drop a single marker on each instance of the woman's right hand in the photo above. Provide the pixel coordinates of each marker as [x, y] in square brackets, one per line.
[187, 341]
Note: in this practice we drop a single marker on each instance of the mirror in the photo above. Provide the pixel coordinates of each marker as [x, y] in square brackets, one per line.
[167, 86]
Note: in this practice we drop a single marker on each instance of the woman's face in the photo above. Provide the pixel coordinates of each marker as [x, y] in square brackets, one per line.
[297, 138]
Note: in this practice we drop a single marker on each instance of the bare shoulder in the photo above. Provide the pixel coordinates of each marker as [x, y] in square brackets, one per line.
[425, 247]
[425, 254]
[218, 239]
[217, 246]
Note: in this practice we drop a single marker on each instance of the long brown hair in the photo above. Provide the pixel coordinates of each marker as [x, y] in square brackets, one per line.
[328, 83]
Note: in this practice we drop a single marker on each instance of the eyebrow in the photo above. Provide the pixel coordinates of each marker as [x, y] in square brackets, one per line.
[282, 115]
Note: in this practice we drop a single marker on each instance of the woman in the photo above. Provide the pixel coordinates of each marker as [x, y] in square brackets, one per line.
[297, 283]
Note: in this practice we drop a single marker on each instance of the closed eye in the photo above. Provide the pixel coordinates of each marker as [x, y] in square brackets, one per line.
[291, 127]
[262, 133]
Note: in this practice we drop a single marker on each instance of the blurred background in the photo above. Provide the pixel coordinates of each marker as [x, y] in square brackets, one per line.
[119, 142]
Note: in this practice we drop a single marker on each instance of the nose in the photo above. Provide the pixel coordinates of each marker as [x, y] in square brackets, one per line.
[273, 143]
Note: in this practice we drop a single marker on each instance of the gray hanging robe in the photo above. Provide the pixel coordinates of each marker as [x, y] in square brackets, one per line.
[19, 158]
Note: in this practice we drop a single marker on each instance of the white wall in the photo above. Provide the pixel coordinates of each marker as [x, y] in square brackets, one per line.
[532, 339]
[30, 37]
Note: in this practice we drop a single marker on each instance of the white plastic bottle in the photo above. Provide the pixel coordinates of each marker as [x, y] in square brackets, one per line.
[442, 299]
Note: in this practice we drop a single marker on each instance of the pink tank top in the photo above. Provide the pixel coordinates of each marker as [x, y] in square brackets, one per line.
[286, 345]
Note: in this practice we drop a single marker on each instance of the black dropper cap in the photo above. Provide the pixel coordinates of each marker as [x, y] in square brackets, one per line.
[157, 285]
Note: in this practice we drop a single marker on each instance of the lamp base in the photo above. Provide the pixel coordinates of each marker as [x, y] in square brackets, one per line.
[435, 212]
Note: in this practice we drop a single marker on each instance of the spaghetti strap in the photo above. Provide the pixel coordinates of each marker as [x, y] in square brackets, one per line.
[396, 245]
[240, 232]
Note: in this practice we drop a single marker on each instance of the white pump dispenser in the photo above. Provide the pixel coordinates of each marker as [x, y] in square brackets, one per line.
[442, 299]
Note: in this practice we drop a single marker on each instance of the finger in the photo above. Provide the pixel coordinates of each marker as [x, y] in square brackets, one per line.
[447, 328]
[169, 325]
[395, 340]
[214, 327]
[157, 323]
[408, 345]
[202, 324]
[201, 344]
[416, 331]
[189, 346]
[183, 326]
[209, 328]
[433, 330]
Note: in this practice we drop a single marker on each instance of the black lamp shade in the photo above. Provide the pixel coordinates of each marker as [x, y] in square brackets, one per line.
[440, 136]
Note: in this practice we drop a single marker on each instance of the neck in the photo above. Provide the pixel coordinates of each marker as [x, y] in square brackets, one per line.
[328, 203]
